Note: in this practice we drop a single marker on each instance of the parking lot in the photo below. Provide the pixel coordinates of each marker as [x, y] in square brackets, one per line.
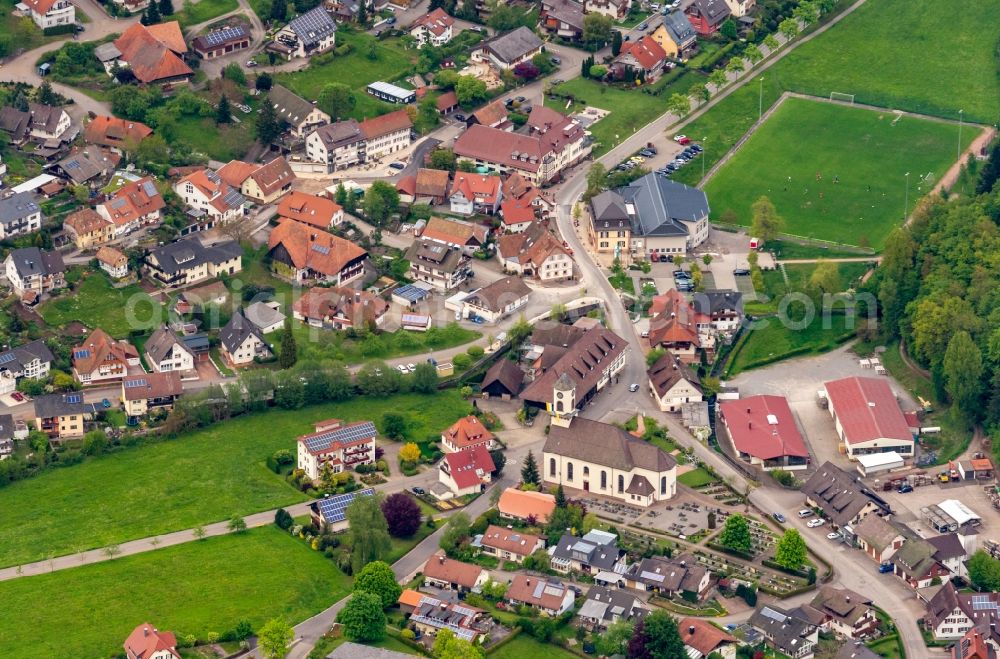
[972, 494]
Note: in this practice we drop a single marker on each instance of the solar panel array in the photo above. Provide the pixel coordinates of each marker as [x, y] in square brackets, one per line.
[322, 249]
[74, 398]
[334, 509]
[136, 382]
[81, 353]
[984, 603]
[233, 199]
[212, 176]
[345, 435]
[768, 612]
[7, 357]
[224, 35]
[149, 189]
[411, 293]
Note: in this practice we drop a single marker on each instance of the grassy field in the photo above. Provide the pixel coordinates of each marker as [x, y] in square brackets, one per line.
[203, 10]
[195, 588]
[526, 647]
[886, 52]
[860, 158]
[799, 275]
[96, 304]
[317, 344]
[774, 341]
[199, 478]
[222, 143]
[356, 70]
[696, 478]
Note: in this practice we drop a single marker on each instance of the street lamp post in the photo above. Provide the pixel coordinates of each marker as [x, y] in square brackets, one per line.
[704, 153]
[906, 197]
[760, 99]
[960, 134]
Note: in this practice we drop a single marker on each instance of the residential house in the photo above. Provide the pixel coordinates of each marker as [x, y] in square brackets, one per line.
[610, 228]
[265, 316]
[548, 596]
[707, 15]
[165, 352]
[62, 416]
[188, 261]
[677, 325]
[616, 9]
[579, 364]
[201, 299]
[305, 255]
[430, 615]
[33, 272]
[51, 13]
[386, 134]
[879, 538]
[670, 577]
[448, 574]
[135, 204]
[673, 384]
[526, 505]
[643, 57]
[466, 236]
[207, 194]
[313, 211]
[429, 186]
[300, 115]
[553, 143]
[434, 27]
[87, 228]
[262, 183]
[977, 644]
[222, 42]
[503, 380]
[101, 359]
[145, 393]
[951, 614]
[90, 166]
[19, 214]
[330, 513]
[348, 143]
[596, 552]
[855, 650]
[337, 445]
[493, 115]
[48, 122]
[916, 564]
[785, 632]
[442, 267]
[740, 8]
[516, 215]
[154, 53]
[536, 252]
[951, 552]
[32, 360]
[723, 308]
[843, 612]
[475, 193]
[498, 300]
[509, 544]
[466, 434]
[308, 34]
[119, 135]
[16, 124]
[146, 642]
[763, 432]
[604, 459]
[562, 18]
[241, 342]
[340, 308]
[701, 639]
[505, 51]
[676, 36]
[842, 498]
[112, 261]
[466, 472]
[867, 417]
[605, 607]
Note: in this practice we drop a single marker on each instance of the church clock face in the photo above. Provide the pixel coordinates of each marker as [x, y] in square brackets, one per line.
[559, 395]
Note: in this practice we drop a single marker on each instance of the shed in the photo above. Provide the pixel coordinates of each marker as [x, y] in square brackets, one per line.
[977, 468]
[874, 463]
[959, 512]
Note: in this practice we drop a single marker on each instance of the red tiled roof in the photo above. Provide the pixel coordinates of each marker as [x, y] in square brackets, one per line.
[447, 100]
[111, 256]
[494, 145]
[132, 201]
[40, 6]
[436, 22]
[701, 635]
[468, 431]
[520, 504]
[99, 348]
[510, 540]
[145, 640]
[152, 53]
[674, 319]
[309, 209]
[867, 410]
[407, 185]
[469, 468]
[446, 569]
[493, 114]
[432, 182]
[385, 124]
[235, 172]
[112, 131]
[170, 35]
[525, 589]
[272, 176]
[646, 52]
[85, 221]
[749, 421]
[454, 232]
[317, 250]
[348, 306]
[482, 189]
[514, 211]
[215, 191]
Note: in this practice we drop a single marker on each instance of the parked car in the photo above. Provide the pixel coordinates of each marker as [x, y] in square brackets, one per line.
[904, 488]
[682, 139]
[644, 26]
[884, 568]
[778, 517]
[397, 165]
[741, 272]
[520, 99]
[251, 63]
[411, 367]
[432, 361]
[675, 4]
[555, 59]
[391, 19]
[814, 522]
[697, 147]
[418, 490]
[459, 117]
[805, 512]
[682, 274]
[634, 387]
[402, 369]
[833, 536]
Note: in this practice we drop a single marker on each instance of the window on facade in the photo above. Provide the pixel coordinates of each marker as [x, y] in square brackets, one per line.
[552, 466]
[663, 485]
[569, 471]
[586, 470]
[604, 480]
[621, 483]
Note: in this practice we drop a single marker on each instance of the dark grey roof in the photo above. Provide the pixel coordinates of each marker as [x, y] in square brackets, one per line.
[340, 133]
[14, 121]
[32, 261]
[513, 45]
[588, 551]
[505, 373]
[237, 331]
[6, 427]
[196, 342]
[438, 256]
[15, 359]
[566, 11]
[45, 117]
[661, 206]
[292, 108]
[609, 211]
[667, 371]
[679, 27]
[947, 546]
[52, 405]
[839, 494]
[18, 207]
[787, 632]
[188, 253]
[357, 651]
[313, 26]
[714, 10]
[607, 445]
[669, 574]
[161, 341]
[85, 164]
[605, 605]
[496, 296]
[107, 52]
[714, 301]
[855, 650]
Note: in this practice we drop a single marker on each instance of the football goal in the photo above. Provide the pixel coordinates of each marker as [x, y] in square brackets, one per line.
[840, 96]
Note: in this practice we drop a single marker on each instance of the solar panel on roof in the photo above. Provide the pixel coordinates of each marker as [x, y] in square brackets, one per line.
[117, 203]
[149, 188]
[72, 164]
[74, 398]
[334, 509]
[7, 357]
[81, 353]
[322, 249]
[768, 612]
[233, 199]
[211, 176]
[137, 382]
[353, 433]
[223, 35]
[465, 634]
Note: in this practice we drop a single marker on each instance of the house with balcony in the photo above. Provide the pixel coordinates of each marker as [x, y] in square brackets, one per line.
[548, 596]
[442, 572]
[51, 13]
[207, 195]
[464, 472]
[136, 204]
[103, 359]
[672, 384]
[337, 445]
[444, 268]
[264, 184]
[474, 193]
[32, 272]
[707, 15]
[597, 551]
[62, 416]
[308, 34]
[189, 261]
[435, 28]
[142, 394]
[19, 214]
[340, 308]
[165, 352]
[112, 261]
[242, 342]
[605, 607]
[87, 228]
[32, 360]
[508, 544]
[785, 631]
[307, 255]
[466, 434]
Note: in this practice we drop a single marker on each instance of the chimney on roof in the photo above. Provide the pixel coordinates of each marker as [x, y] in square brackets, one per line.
[848, 599]
[691, 630]
[145, 631]
[312, 237]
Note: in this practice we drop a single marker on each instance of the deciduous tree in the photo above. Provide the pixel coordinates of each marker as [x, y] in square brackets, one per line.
[597, 29]
[790, 551]
[363, 618]
[402, 513]
[369, 532]
[736, 534]
[409, 452]
[963, 375]
[663, 641]
[378, 579]
[984, 571]
[381, 201]
[274, 638]
[765, 222]
[337, 100]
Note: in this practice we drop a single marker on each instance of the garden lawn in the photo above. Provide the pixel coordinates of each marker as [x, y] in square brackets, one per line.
[319, 344]
[887, 52]
[203, 10]
[201, 477]
[223, 143]
[95, 303]
[775, 342]
[860, 157]
[194, 588]
[526, 647]
[696, 478]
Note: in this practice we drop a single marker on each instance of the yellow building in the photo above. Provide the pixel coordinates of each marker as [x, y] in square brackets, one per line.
[88, 229]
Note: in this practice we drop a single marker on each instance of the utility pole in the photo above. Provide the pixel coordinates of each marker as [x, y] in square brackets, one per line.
[704, 155]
